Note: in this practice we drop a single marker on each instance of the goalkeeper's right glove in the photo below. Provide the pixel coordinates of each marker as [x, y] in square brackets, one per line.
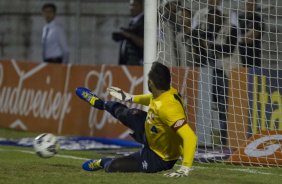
[120, 94]
[183, 171]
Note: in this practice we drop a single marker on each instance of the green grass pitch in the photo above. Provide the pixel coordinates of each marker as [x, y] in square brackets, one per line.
[22, 166]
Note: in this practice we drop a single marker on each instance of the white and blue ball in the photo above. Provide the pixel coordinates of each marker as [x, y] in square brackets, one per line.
[46, 145]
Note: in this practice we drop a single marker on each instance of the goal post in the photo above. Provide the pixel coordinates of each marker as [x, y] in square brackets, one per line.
[225, 61]
[150, 37]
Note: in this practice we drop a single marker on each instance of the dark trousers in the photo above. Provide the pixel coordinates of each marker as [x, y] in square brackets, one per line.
[58, 60]
[220, 97]
[144, 160]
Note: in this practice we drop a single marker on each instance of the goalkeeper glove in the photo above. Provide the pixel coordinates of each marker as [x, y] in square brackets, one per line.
[120, 94]
[183, 171]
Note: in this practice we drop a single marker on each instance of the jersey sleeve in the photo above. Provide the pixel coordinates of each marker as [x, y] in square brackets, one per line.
[142, 99]
[189, 144]
[171, 112]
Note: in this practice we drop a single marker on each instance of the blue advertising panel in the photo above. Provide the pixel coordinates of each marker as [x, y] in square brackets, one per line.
[265, 100]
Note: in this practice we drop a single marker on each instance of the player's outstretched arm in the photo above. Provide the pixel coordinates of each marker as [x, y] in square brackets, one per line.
[118, 93]
[189, 147]
[142, 99]
[189, 144]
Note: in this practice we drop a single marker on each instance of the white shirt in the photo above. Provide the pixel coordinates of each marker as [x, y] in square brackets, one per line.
[196, 20]
[54, 42]
[137, 17]
[226, 62]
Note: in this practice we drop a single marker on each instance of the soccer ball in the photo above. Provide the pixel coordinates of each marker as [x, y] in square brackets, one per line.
[46, 145]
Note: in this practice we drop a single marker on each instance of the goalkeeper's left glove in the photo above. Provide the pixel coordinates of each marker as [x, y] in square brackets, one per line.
[183, 171]
[120, 94]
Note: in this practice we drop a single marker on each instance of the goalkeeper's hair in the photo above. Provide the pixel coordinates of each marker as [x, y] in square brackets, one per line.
[160, 75]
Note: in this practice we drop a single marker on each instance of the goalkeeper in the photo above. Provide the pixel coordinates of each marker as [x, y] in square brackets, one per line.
[163, 131]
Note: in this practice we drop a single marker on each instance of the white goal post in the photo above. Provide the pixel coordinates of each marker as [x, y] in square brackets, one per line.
[150, 37]
[225, 58]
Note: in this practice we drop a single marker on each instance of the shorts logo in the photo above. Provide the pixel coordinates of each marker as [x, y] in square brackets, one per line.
[145, 165]
[178, 123]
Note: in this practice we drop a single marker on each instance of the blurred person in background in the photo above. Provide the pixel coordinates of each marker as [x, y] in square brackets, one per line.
[207, 26]
[132, 38]
[54, 44]
[215, 36]
[167, 32]
[184, 38]
[252, 27]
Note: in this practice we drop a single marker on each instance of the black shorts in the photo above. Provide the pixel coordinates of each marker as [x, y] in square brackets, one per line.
[135, 119]
[150, 162]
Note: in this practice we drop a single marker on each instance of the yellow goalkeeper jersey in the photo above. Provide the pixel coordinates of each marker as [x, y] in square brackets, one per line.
[164, 111]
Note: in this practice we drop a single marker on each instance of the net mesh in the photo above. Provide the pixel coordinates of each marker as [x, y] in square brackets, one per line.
[225, 60]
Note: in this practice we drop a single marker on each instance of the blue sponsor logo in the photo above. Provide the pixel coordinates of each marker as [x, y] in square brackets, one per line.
[154, 129]
[265, 100]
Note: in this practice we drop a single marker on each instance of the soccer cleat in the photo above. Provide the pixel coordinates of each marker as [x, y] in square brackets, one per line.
[88, 96]
[92, 165]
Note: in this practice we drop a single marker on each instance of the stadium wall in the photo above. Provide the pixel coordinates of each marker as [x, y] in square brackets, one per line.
[88, 25]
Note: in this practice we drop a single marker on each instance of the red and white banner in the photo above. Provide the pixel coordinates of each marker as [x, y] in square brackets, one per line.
[264, 148]
[41, 97]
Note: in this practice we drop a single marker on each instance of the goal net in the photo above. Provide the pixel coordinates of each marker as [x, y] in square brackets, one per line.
[225, 60]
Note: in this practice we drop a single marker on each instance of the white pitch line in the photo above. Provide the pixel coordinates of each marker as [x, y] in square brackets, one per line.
[250, 171]
[72, 157]
[61, 156]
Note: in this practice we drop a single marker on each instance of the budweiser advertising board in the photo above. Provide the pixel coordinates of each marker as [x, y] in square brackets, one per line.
[41, 97]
